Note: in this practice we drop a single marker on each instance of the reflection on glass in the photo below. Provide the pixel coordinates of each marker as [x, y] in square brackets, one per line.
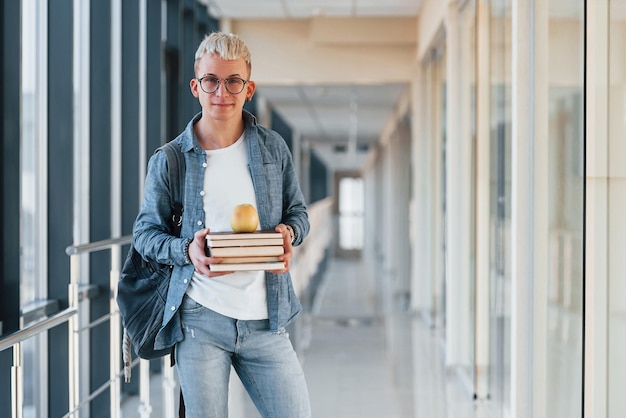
[617, 233]
[438, 103]
[500, 206]
[467, 51]
[31, 279]
[566, 197]
[28, 152]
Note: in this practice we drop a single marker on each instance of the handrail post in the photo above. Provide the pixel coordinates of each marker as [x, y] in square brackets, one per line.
[17, 384]
[73, 343]
[169, 386]
[115, 330]
[145, 407]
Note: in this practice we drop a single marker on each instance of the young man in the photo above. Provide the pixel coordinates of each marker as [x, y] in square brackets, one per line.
[238, 319]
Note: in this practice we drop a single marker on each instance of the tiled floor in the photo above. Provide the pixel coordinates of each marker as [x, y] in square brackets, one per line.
[367, 365]
[350, 368]
[346, 363]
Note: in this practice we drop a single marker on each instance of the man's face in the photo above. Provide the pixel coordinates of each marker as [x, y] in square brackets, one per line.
[221, 104]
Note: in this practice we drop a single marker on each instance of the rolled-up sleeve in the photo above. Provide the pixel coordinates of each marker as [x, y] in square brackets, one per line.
[152, 237]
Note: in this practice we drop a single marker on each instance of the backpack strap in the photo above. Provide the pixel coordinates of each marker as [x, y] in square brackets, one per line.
[176, 170]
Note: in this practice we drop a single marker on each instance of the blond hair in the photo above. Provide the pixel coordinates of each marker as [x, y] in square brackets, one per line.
[228, 46]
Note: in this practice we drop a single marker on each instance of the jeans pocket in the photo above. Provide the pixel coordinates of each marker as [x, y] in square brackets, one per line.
[190, 306]
[282, 332]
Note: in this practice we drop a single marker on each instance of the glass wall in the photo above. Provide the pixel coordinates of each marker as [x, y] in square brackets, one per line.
[467, 42]
[565, 206]
[563, 65]
[431, 294]
[500, 206]
[435, 97]
[32, 148]
[617, 203]
[32, 196]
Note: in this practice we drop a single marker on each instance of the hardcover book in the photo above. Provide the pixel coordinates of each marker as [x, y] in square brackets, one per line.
[249, 251]
[252, 259]
[214, 236]
[244, 242]
[272, 265]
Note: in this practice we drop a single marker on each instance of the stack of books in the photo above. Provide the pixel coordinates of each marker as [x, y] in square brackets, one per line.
[246, 251]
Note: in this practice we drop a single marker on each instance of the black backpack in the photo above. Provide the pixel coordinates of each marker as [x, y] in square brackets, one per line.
[143, 285]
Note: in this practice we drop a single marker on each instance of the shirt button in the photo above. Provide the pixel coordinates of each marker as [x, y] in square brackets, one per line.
[185, 281]
[173, 308]
[199, 222]
[202, 193]
[204, 165]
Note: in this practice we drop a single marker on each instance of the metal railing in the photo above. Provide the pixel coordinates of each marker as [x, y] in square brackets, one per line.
[15, 341]
[71, 316]
[115, 328]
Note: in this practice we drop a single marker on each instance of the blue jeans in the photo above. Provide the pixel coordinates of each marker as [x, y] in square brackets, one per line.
[266, 363]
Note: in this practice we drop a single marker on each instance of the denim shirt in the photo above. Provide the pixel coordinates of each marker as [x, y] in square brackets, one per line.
[279, 200]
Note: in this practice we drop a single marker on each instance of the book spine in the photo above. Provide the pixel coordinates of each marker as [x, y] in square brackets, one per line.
[239, 235]
[246, 251]
[244, 242]
[247, 267]
[252, 259]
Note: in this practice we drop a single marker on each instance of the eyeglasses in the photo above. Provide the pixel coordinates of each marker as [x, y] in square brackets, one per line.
[210, 84]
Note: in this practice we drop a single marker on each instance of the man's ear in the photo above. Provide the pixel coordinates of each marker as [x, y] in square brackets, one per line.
[194, 86]
[250, 88]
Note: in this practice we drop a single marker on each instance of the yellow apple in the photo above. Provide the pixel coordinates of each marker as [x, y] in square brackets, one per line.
[244, 218]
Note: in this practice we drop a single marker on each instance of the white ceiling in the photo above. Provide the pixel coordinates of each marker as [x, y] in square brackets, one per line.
[330, 114]
[288, 9]
[330, 117]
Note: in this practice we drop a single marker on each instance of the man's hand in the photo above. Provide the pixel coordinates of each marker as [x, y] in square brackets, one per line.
[286, 257]
[198, 257]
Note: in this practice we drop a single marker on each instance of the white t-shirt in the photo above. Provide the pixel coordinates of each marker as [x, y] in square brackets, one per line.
[227, 183]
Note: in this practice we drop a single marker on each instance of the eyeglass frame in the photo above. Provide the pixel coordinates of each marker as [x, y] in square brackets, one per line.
[219, 83]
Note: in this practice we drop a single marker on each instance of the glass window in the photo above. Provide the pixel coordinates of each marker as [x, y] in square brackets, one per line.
[565, 206]
[617, 201]
[500, 206]
[351, 201]
[31, 185]
[33, 197]
[467, 103]
[435, 94]
[564, 101]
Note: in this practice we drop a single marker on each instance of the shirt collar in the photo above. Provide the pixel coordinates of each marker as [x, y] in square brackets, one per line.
[189, 140]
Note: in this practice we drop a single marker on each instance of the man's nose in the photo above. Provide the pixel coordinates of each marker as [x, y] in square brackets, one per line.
[221, 88]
